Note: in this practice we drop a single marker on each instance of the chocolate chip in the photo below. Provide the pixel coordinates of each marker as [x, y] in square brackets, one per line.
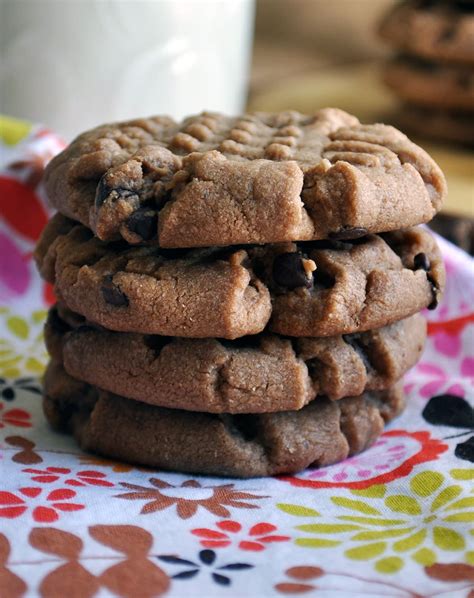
[465, 80]
[157, 343]
[143, 222]
[448, 33]
[332, 245]
[244, 425]
[250, 341]
[288, 271]
[418, 63]
[421, 262]
[362, 350]
[56, 323]
[323, 280]
[425, 4]
[112, 293]
[348, 233]
[434, 290]
[104, 191]
[463, 5]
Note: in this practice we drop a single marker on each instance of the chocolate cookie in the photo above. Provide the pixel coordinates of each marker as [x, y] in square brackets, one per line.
[320, 288]
[321, 433]
[441, 125]
[436, 29]
[431, 84]
[256, 178]
[200, 293]
[258, 374]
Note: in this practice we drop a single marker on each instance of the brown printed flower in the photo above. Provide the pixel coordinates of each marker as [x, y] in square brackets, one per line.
[215, 499]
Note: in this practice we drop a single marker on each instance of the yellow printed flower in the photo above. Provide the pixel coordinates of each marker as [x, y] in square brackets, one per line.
[431, 520]
[22, 349]
[13, 130]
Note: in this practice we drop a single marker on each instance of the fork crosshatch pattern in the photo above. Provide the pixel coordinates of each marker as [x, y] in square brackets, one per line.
[397, 520]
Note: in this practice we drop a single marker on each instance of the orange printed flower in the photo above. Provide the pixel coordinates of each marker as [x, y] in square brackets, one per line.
[260, 534]
[12, 506]
[82, 478]
[14, 417]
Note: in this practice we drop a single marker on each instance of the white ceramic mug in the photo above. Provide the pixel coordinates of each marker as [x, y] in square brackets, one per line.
[73, 64]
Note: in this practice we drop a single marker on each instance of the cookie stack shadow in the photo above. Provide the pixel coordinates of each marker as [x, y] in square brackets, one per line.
[237, 296]
[433, 72]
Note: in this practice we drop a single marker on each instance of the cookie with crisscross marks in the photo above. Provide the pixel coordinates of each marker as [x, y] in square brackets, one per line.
[436, 29]
[245, 445]
[257, 178]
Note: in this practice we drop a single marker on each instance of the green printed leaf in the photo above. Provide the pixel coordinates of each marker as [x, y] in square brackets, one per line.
[372, 520]
[18, 327]
[445, 496]
[316, 542]
[403, 504]
[4, 363]
[366, 552]
[382, 534]
[39, 316]
[448, 539]
[425, 557]
[462, 474]
[328, 528]
[463, 503]
[426, 482]
[411, 542]
[297, 510]
[355, 505]
[390, 564]
[376, 491]
[34, 365]
[467, 517]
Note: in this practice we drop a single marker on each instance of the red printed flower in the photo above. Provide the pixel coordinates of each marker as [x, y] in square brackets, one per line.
[260, 535]
[82, 478]
[12, 506]
[21, 208]
[14, 417]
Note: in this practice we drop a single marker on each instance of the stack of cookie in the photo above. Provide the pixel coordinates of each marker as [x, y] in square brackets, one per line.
[434, 71]
[226, 304]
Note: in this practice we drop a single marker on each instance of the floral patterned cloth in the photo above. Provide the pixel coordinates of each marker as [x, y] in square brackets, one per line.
[397, 520]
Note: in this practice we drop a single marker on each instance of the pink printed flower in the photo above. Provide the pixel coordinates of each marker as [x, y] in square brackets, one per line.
[14, 417]
[15, 270]
[438, 380]
[392, 456]
[82, 478]
[260, 535]
[46, 508]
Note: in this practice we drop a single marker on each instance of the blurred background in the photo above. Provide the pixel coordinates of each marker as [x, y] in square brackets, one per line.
[298, 37]
[73, 64]
[313, 53]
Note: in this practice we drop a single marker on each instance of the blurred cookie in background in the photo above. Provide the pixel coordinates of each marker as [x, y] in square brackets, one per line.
[456, 229]
[433, 71]
[437, 124]
[433, 84]
[442, 30]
